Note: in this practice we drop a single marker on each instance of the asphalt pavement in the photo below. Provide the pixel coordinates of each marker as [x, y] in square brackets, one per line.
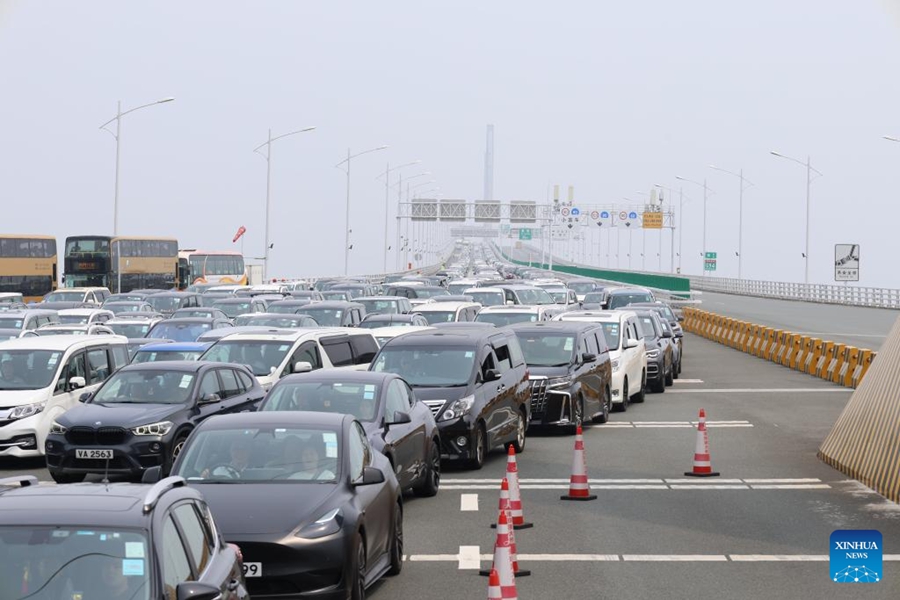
[759, 530]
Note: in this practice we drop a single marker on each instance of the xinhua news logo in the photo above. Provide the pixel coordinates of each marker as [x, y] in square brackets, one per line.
[856, 556]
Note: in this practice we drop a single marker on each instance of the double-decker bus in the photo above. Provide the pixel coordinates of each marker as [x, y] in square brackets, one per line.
[198, 267]
[28, 265]
[121, 264]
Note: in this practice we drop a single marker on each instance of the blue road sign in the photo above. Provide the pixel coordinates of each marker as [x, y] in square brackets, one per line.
[604, 214]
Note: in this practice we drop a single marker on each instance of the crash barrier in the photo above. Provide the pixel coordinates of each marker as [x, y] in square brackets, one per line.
[863, 442]
[838, 363]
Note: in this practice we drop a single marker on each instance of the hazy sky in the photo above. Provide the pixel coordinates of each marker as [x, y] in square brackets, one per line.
[610, 97]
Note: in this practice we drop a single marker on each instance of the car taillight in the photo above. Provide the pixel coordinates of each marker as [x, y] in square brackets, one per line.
[237, 551]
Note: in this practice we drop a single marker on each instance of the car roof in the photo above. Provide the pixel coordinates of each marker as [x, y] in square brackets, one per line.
[182, 366]
[172, 294]
[335, 304]
[83, 311]
[462, 336]
[187, 320]
[515, 308]
[175, 347]
[567, 326]
[274, 418]
[27, 312]
[445, 306]
[229, 300]
[59, 343]
[340, 375]
[608, 316]
[487, 288]
[380, 298]
[628, 290]
[398, 330]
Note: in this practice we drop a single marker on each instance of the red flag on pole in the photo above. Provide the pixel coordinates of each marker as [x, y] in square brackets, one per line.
[241, 231]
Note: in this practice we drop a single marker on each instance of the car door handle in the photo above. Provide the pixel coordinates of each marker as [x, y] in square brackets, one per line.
[501, 387]
[233, 585]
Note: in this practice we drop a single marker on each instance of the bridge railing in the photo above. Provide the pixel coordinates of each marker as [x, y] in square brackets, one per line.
[804, 292]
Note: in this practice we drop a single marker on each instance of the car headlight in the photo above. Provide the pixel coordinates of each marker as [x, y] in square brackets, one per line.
[616, 363]
[328, 524]
[559, 382]
[57, 428]
[161, 428]
[26, 410]
[652, 353]
[458, 408]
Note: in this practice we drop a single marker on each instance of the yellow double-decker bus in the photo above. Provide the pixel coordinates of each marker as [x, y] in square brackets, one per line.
[202, 268]
[121, 263]
[28, 265]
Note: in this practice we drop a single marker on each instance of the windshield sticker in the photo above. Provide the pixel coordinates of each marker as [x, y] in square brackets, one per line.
[134, 549]
[331, 449]
[470, 354]
[132, 567]
[569, 344]
[369, 396]
[283, 348]
[54, 358]
[185, 381]
[370, 388]
[60, 533]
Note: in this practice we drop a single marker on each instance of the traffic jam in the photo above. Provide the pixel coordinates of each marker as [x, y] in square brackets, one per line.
[209, 436]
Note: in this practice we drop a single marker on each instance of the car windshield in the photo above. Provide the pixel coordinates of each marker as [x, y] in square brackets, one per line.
[487, 298]
[145, 356]
[232, 309]
[326, 317]
[63, 296]
[594, 297]
[277, 454]
[546, 350]
[258, 320]
[152, 386]
[27, 369]
[581, 287]
[439, 316]
[458, 288]
[534, 296]
[11, 322]
[648, 326]
[501, 319]
[187, 313]
[428, 367]
[286, 309]
[57, 330]
[357, 399]
[620, 300]
[52, 562]
[341, 296]
[430, 293]
[123, 307]
[74, 319]
[263, 357]
[380, 307]
[164, 303]
[130, 330]
[179, 332]
[559, 296]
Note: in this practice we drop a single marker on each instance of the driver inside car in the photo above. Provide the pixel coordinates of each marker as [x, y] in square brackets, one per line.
[240, 460]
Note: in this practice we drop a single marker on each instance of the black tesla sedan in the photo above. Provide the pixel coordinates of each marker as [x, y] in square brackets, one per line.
[314, 508]
[399, 426]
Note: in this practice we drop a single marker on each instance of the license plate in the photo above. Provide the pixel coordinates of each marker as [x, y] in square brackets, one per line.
[81, 453]
[252, 569]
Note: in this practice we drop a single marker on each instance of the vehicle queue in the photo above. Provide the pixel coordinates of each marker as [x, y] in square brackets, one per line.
[272, 431]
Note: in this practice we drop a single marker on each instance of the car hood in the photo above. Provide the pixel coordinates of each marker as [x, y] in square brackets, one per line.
[10, 398]
[265, 508]
[9, 334]
[121, 415]
[442, 393]
[549, 371]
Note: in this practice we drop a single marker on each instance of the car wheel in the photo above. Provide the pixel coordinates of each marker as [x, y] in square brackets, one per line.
[577, 414]
[659, 385]
[479, 448]
[432, 481]
[605, 407]
[68, 477]
[676, 369]
[639, 397]
[397, 542]
[623, 405]
[177, 447]
[519, 443]
[358, 576]
[670, 375]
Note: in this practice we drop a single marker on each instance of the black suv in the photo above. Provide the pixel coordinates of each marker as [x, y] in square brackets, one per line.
[475, 381]
[141, 416]
[658, 346]
[113, 542]
[570, 372]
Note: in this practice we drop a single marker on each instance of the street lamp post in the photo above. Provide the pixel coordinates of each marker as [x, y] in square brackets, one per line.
[809, 179]
[268, 156]
[745, 184]
[118, 136]
[347, 209]
[706, 191]
[387, 188]
[399, 186]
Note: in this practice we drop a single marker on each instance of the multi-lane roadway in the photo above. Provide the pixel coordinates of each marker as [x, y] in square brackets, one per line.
[760, 530]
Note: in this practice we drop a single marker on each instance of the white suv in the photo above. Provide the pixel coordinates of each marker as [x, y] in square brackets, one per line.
[626, 352]
[272, 356]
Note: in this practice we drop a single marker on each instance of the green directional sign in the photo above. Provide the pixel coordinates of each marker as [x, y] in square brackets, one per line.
[710, 255]
[524, 234]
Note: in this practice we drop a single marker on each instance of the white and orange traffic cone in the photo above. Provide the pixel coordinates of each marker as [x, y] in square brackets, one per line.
[494, 591]
[579, 489]
[702, 464]
[515, 496]
[503, 560]
[513, 550]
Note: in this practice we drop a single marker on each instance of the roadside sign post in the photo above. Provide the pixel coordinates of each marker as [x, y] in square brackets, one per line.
[709, 261]
[846, 262]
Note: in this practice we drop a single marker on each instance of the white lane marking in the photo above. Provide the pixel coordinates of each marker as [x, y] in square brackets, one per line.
[766, 391]
[712, 483]
[675, 557]
[570, 557]
[788, 480]
[672, 424]
[704, 481]
[468, 502]
[469, 557]
[688, 381]
[709, 487]
[795, 486]
[778, 557]
[862, 335]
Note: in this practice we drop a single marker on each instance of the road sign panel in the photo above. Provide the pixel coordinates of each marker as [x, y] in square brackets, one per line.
[575, 211]
[846, 262]
[710, 255]
[652, 220]
[709, 265]
[524, 234]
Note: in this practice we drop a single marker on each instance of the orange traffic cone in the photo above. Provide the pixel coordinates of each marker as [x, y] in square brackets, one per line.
[494, 591]
[579, 489]
[513, 551]
[702, 465]
[515, 496]
[503, 560]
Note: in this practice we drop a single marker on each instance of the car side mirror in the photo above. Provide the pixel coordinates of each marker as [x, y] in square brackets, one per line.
[588, 357]
[631, 343]
[302, 367]
[667, 334]
[76, 383]
[400, 418]
[194, 590]
[491, 375]
[84, 397]
[510, 303]
[370, 476]
[209, 398]
[152, 475]
[680, 318]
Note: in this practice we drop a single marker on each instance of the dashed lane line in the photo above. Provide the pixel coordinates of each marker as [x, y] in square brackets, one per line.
[468, 502]
[646, 484]
[765, 391]
[688, 381]
[671, 424]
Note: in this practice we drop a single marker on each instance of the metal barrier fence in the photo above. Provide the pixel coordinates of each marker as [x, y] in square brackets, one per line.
[803, 292]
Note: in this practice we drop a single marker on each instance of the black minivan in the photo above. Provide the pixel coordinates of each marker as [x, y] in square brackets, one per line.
[475, 381]
[570, 372]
